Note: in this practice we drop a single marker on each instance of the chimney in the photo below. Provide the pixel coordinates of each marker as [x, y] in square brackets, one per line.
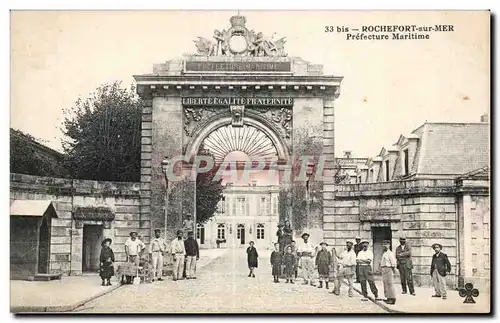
[485, 118]
[347, 153]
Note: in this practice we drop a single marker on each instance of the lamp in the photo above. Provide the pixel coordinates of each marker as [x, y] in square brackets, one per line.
[165, 167]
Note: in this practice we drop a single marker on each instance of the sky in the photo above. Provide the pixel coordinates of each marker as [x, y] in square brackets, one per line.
[389, 87]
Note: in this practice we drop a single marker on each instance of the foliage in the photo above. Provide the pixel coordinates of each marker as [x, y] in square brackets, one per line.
[27, 157]
[208, 193]
[103, 135]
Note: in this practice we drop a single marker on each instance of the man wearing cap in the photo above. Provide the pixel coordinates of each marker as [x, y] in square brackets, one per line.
[405, 265]
[157, 248]
[306, 252]
[178, 251]
[388, 265]
[357, 248]
[192, 255]
[364, 260]
[347, 269]
[134, 248]
[440, 267]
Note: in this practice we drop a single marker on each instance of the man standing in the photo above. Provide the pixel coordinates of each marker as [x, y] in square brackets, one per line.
[306, 252]
[192, 255]
[156, 250]
[364, 260]
[134, 248]
[178, 251]
[405, 265]
[357, 248]
[440, 267]
[388, 265]
[347, 269]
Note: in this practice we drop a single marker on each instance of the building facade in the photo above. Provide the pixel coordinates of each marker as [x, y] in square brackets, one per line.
[431, 187]
[245, 213]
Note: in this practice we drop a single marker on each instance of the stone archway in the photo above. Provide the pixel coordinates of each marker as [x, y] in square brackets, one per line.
[203, 130]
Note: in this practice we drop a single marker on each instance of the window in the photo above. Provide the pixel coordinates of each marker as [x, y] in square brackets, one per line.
[370, 177]
[221, 232]
[275, 205]
[241, 206]
[359, 179]
[234, 206]
[222, 205]
[262, 206]
[406, 160]
[260, 231]
[387, 171]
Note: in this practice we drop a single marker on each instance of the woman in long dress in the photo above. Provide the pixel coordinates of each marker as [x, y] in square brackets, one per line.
[107, 258]
[252, 259]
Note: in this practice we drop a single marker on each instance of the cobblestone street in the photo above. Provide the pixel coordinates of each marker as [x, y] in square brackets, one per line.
[223, 287]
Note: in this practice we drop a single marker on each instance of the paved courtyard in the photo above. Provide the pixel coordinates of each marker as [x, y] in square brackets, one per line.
[223, 287]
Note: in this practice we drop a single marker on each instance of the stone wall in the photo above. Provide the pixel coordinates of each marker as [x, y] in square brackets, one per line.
[425, 211]
[68, 194]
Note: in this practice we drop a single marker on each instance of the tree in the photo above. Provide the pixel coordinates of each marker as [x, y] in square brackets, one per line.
[103, 135]
[208, 192]
[29, 156]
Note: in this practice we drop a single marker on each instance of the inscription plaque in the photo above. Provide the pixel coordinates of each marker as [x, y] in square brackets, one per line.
[194, 66]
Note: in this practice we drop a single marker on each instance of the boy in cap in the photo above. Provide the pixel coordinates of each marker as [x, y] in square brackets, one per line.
[157, 248]
[323, 261]
[440, 267]
[306, 252]
[178, 251]
[192, 255]
[388, 265]
[405, 265]
[364, 260]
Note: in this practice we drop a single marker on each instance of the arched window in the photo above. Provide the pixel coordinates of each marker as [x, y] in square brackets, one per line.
[260, 231]
[221, 232]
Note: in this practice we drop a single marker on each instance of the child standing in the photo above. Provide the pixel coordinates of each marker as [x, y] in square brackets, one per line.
[107, 258]
[323, 261]
[276, 262]
[289, 262]
[252, 259]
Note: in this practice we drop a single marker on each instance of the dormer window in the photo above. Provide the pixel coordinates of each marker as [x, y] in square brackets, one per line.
[387, 171]
[406, 162]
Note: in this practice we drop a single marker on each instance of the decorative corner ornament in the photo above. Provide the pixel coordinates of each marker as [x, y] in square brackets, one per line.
[237, 115]
[240, 41]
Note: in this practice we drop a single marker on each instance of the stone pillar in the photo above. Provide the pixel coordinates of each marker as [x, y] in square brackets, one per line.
[188, 194]
[76, 247]
[146, 164]
[328, 172]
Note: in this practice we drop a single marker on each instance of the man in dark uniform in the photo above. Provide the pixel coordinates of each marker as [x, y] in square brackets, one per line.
[357, 248]
[405, 265]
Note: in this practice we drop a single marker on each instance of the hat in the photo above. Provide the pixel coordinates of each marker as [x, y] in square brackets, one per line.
[132, 232]
[179, 231]
[104, 241]
[386, 244]
[348, 241]
[365, 241]
[402, 238]
[305, 234]
[323, 243]
[358, 238]
[437, 244]
[157, 230]
[280, 225]
[190, 233]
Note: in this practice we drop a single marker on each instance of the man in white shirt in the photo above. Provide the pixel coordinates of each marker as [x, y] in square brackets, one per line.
[178, 252]
[134, 248]
[388, 265]
[306, 251]
[156, 249]
[347, 269]
[364, 260]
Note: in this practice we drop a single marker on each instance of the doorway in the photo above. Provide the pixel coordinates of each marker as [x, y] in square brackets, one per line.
[240, 234]
[44, 247]
[91, 248]
[380, 236]
[200, 234]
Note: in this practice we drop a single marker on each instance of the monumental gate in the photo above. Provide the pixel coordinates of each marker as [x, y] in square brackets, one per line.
[239, 92]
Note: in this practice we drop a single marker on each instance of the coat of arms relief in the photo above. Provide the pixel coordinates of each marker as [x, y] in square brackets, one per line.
[240, 41]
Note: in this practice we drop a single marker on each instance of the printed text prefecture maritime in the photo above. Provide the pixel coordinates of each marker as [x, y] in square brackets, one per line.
[392, 32]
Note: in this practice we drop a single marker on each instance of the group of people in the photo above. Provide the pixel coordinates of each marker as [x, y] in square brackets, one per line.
[354, 262]
[185, 253]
